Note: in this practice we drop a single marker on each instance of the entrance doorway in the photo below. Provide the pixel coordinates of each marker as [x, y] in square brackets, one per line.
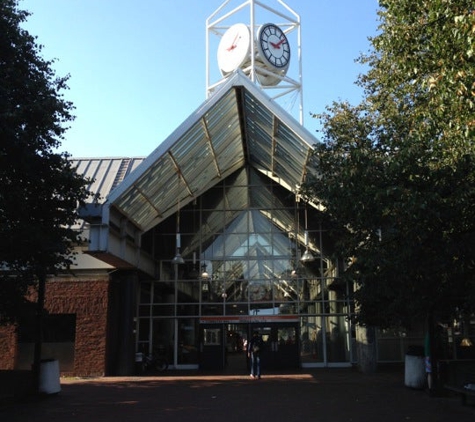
[224, 346]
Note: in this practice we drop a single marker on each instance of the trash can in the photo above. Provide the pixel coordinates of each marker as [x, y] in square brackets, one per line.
[49, 377]
[414, 369]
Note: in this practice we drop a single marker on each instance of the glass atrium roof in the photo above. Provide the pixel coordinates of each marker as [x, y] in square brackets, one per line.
[238, 125]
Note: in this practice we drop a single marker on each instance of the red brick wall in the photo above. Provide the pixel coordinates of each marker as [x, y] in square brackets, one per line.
[87, 298]
[7, 347]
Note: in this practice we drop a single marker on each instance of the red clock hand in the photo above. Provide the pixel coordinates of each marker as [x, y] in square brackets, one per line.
[233, 45]
[277, 46]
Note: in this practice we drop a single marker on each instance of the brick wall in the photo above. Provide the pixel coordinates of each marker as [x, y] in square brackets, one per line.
[87, 298]
[7, 347]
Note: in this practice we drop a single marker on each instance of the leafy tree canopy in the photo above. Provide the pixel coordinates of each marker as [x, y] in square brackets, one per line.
[397, 171]
[40, 192]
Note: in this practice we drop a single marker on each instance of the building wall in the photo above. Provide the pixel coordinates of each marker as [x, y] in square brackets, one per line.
[8, 347]
[87, 297]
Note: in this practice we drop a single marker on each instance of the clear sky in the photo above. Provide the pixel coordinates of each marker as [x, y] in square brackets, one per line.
[138, 66]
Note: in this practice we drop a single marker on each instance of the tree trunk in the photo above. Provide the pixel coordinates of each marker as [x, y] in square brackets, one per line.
[366, 348]
[39, 330]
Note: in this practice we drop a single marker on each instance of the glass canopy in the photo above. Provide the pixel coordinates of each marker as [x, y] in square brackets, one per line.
[239, 125]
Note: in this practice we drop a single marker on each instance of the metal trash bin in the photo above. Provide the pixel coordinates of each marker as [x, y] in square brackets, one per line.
[414, 369]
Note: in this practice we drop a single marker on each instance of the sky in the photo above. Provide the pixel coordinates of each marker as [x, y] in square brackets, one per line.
[138, 67]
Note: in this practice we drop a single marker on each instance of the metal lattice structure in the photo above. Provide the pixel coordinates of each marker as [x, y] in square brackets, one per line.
[255, 13]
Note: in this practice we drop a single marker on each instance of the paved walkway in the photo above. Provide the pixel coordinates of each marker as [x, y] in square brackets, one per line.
[316, 395]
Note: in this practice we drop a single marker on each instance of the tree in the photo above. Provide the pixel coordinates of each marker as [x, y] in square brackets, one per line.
[397, 172]
[40, 192]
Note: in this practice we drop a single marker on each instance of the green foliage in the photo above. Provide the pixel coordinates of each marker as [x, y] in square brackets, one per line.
[397, 172]
[39, 190]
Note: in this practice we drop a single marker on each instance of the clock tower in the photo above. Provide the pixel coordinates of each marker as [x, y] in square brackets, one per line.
[261, 41]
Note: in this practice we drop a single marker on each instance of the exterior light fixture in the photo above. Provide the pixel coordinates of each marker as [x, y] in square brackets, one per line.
[178, 259]
[204, 273]
[307, 256]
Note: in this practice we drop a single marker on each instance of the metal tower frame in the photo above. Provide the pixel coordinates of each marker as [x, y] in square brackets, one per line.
[218, 23]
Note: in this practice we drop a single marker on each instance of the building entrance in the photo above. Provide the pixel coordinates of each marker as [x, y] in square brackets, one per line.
[224, 346]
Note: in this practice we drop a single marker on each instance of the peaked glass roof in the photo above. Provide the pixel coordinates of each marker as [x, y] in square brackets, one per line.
[239, 124]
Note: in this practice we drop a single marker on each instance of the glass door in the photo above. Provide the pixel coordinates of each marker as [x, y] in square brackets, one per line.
[280, 345]
[212, 346]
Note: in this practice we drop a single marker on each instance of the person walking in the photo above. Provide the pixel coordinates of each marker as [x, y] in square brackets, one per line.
[254, 347]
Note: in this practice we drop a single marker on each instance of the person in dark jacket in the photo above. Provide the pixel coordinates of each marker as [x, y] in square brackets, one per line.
[254, 353]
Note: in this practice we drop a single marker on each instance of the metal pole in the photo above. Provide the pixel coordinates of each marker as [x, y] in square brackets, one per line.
[225, 334]
[175, 328]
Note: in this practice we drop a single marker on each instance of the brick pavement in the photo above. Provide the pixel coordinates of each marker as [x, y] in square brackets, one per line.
[316, 395]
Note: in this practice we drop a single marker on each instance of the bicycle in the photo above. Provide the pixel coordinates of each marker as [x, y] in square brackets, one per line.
[154, 363]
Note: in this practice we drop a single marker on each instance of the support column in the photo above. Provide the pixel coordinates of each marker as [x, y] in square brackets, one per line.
[125, 352]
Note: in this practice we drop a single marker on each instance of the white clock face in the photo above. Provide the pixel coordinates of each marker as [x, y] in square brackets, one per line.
[234, 48]
[273, 46]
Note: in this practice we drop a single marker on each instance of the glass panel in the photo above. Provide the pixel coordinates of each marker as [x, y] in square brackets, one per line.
[211, 309]
[311, 346]
[286, 308]
[236, 309]
[260, 309]
[188, 341]
[236, 291]
[259, 291]
[286, 336]
[187, 310]
[145, 292]
[163, 310]
[286, 289]
[144, 310]
[144, 328]
[162, 337]
[158, 296]
[248, 232]
[338, 349]
[188, 291]
[211, 336]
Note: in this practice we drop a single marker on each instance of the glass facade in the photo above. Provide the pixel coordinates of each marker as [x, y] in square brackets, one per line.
[242, 242]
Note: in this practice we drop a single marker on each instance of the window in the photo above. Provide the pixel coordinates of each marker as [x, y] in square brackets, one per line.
[57, 328]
